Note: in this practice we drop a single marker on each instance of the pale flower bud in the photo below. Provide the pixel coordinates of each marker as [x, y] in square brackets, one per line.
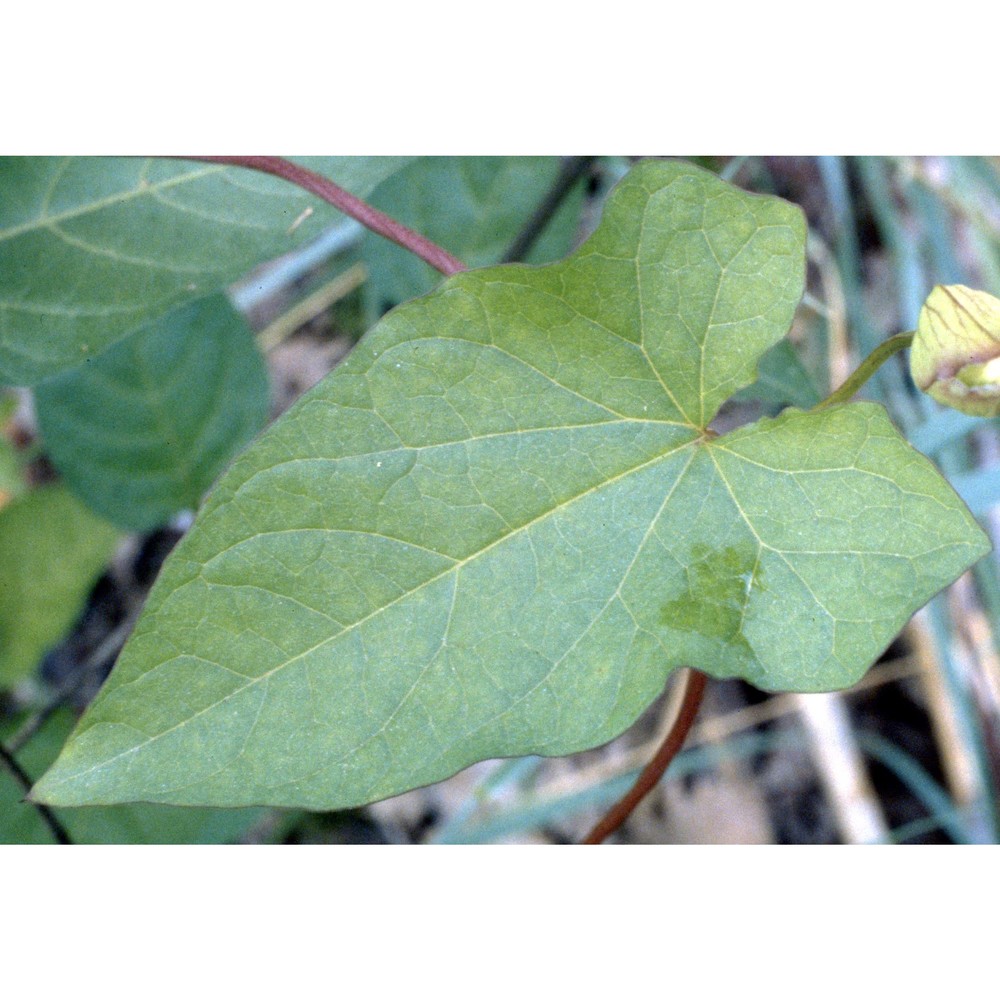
[955, 356]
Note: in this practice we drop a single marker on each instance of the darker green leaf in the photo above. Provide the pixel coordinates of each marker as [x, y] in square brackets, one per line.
[473, 206]
[92, 248]
[782, 380]
[142, 431]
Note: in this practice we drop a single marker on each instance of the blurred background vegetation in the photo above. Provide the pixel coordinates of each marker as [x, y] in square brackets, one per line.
[910, 755]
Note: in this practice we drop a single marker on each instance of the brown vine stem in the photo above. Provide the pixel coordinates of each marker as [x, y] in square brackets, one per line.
[367, 215]
[20, 776]
[653, 771]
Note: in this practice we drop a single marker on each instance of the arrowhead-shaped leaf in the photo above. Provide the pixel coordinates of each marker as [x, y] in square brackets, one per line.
[92, 248]
[142, 431]
[503, 521]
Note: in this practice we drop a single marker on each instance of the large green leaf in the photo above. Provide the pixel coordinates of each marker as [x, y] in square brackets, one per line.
[473, 206]
[52, 550]
[142, 431]
[123, 824]
[501, 523]
[91, 248]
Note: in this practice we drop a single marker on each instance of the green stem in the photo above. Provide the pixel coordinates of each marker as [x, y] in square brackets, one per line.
[866, 369]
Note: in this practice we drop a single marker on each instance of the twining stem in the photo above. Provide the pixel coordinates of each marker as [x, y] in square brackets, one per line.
[653, 771]
[20, 776]
[866, 369]
[372, 218]
[570, 172]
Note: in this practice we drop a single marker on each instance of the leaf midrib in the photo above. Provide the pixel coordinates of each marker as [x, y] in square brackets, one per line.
[458, 565]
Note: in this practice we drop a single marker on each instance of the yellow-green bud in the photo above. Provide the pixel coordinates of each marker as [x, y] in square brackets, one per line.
[955, 355]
